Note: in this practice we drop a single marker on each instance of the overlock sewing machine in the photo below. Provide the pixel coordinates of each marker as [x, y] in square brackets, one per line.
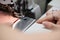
[27, 10]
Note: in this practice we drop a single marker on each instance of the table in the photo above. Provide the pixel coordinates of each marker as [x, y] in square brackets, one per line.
[55, 3]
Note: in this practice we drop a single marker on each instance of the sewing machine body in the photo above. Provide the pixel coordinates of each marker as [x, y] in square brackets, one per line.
[26, 10]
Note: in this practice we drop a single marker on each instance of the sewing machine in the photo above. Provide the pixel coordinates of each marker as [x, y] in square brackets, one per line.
[26, 10]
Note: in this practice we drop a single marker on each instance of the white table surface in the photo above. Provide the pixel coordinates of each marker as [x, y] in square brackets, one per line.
[55, 3]
[39, 27]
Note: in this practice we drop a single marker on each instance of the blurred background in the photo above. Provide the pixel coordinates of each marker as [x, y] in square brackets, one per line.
[43, 4]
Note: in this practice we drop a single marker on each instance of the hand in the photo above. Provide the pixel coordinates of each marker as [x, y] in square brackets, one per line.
[52, 20]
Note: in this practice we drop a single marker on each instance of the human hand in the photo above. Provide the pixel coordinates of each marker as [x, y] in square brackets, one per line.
[52, 20]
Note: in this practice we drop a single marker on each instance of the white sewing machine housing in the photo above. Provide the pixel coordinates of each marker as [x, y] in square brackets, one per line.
[36, 8]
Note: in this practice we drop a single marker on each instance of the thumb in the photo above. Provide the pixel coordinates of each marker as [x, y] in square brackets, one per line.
[49, 25]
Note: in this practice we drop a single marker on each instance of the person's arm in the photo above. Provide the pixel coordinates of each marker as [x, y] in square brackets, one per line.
[7, 33]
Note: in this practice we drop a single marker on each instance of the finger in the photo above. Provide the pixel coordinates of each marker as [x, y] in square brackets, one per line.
[47, 18]
[49, 25]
